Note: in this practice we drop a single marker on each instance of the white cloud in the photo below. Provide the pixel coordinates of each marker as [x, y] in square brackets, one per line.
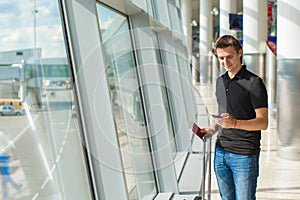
[107, 23]
[50, 39]
[16, 39]
[17, 27]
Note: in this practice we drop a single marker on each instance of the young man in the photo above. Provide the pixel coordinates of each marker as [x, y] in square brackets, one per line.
[243, 104]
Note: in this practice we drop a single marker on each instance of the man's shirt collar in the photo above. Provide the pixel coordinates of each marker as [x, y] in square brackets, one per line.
[239, 75]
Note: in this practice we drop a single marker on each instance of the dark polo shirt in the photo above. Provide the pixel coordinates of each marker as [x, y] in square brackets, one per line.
[240, 97]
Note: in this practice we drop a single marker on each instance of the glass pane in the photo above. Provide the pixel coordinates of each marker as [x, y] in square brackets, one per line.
[127, 104]
[165, 93]
[140, 3]
[150, 8]
[41, 153]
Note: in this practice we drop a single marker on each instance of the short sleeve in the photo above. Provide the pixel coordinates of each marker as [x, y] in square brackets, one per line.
[258, 93]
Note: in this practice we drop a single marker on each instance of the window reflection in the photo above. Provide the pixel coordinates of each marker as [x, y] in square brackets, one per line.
[40, 150]
[165, 93]
[127, 105]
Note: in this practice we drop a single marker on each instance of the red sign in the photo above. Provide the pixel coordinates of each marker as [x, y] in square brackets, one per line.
[272, 46]
[270, 10]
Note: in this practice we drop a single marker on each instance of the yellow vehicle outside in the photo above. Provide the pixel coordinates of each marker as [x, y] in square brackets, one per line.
[14, 103]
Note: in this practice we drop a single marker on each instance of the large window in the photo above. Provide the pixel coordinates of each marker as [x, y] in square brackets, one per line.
[165, 93]
[40, 145]
[127, 104]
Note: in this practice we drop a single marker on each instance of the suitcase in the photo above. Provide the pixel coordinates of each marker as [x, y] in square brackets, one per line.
[206, 169]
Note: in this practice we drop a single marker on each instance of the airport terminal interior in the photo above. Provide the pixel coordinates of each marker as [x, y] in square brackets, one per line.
[98, 97]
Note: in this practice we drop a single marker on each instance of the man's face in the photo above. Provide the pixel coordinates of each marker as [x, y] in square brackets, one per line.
[229, 58]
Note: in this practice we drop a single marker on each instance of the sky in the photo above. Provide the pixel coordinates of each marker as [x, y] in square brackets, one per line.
[17, 26]
[105, 16]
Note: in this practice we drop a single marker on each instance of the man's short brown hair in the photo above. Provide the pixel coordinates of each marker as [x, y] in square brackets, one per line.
[227, 41]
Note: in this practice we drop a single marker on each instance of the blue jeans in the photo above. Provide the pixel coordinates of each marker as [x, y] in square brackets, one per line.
[236, 175]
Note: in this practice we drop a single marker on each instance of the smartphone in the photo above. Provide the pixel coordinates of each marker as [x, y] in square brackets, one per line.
[197, 131]
[216, 116]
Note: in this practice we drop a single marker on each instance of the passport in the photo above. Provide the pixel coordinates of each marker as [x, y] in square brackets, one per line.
[197, 130]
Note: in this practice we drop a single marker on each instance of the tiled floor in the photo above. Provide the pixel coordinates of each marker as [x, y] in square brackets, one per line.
[279, 179]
